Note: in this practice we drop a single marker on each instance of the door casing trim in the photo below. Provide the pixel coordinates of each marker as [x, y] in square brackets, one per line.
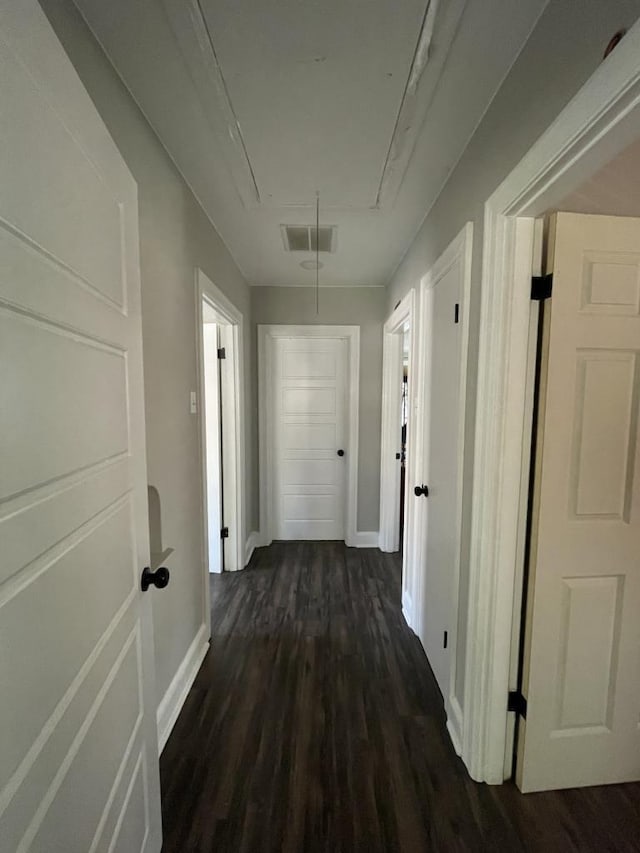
[389, 535]
[233, 419]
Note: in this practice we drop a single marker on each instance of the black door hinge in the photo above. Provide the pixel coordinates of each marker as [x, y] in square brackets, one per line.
[456, 313]
[224, 533]
[517, 703]
[445, 640]
[541, 286]
[222, 353]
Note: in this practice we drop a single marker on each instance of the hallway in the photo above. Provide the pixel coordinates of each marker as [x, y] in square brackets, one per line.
[315, 725]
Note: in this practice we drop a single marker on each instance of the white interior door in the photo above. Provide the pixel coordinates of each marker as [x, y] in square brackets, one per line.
[582, 647]
[78, 740]
[310, 378]
[440, 442]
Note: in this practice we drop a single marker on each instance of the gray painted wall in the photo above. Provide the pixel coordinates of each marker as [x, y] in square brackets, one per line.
[359, 306]
[557, 60]
[175, 238]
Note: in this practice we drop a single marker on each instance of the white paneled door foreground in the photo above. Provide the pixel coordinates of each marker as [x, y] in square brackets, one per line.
[78, 750]
[309, 437]
[582, 666]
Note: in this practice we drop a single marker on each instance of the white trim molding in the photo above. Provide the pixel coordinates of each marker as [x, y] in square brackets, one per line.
[407, 610]
[455, 724]
[253, 542]
[233, 409]
[600, 121]
[181, 683]
[267, 334]
[364, 539]
[405, 313]
[392, 354]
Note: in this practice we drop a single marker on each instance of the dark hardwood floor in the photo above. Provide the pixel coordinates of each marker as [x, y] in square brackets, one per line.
[315, 724]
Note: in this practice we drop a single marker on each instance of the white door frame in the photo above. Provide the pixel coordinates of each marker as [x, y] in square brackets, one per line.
[233, 456]
[389, 536]
[212, 410]
[392, 342]
[267, 335]
[598, 123]
[458, 251]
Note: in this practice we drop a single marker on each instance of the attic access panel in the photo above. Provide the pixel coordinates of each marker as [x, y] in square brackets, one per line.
[304, 238]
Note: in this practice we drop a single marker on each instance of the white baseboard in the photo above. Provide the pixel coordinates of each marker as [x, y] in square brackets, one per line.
[407, 609]
[173, 700]
[455, 737]
[384, 546]
[364, 539]
[361, 539]
[455, 724]
[253, 542]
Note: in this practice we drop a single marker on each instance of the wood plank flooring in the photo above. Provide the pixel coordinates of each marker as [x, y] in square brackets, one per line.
[315, 726]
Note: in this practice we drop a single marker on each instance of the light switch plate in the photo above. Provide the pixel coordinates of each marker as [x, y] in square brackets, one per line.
[193, 406]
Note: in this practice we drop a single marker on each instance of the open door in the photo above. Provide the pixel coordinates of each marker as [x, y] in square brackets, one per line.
[582, 644]
[78, 738]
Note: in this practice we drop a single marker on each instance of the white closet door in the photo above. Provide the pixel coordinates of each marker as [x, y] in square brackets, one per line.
[583, 628]
[440, 444]
[310, 431]
[78, 742]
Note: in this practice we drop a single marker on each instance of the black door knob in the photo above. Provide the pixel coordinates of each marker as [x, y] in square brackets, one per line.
[159, 578]
[421, 490]
[341, 452]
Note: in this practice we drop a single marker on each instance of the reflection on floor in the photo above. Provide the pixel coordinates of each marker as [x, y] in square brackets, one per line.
[315, 724]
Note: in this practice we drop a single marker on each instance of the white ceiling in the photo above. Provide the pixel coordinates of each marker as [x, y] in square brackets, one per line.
[316, 89]
[262, 102]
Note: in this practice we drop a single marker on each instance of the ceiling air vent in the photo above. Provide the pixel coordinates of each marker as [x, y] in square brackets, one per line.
[302, 238]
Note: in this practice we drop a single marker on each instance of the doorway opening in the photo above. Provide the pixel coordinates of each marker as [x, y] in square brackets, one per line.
[214, 353]
[584, 494]
[398, 406]
[601, 121]
[404, 422]
[219, 335]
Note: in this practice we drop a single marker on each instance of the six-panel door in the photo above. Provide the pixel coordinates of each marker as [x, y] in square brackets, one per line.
[583, 640]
